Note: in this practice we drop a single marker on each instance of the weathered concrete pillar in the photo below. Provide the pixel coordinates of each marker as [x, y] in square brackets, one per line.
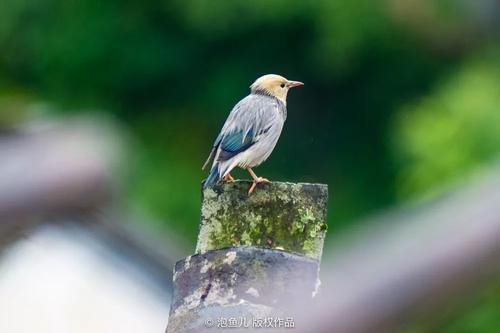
[255, 253]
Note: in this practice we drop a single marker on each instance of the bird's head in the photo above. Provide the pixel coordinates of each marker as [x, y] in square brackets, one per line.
[274, 85]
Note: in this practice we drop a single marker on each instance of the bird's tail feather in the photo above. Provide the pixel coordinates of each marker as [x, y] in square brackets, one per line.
[213, 176]
[212, 154]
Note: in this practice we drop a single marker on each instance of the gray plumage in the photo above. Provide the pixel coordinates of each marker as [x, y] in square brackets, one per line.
[249, 134]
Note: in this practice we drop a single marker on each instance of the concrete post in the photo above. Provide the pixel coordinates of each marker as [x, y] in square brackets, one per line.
[254, 254]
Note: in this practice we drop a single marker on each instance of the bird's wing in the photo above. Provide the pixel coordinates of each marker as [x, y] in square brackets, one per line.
[251, 118]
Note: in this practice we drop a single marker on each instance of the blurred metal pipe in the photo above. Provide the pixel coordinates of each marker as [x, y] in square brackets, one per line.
[387, 274]
[58, 168]
[63, 171]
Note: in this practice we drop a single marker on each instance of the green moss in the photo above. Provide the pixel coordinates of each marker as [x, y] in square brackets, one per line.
[277, 215]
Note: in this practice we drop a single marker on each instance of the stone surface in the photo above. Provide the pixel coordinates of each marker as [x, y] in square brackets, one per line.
[278, 215]
[236, 282]
[207, 319]
[256, 255]
[238, 274]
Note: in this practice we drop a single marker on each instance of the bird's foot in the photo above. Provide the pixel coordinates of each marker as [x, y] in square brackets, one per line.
[256, 181]
[228, 178]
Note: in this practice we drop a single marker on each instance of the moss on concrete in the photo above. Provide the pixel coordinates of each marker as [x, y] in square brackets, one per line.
[285, 216]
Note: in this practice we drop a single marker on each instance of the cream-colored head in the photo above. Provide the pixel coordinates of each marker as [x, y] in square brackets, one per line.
[274, 85]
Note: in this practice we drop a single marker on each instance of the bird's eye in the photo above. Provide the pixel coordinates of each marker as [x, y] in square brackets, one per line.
[282, 85]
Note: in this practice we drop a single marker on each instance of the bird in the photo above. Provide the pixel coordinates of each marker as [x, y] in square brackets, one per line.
[251, 130]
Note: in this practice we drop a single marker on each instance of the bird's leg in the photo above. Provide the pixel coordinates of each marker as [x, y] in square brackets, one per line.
[256, 180]
[228, 178]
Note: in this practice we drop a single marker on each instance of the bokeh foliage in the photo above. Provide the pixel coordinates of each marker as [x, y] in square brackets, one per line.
[171, 71]
[401, 97]
[453, 134]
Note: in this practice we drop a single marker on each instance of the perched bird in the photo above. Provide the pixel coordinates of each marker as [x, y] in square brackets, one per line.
[251, 130]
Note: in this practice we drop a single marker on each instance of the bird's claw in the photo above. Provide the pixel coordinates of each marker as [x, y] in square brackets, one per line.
[228, 178]
[257, 181]
[263, 180]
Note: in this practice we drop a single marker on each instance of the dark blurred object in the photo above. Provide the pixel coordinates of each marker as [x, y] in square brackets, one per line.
[385, 276]
[453, 27]
[52, 168]
[68, 248]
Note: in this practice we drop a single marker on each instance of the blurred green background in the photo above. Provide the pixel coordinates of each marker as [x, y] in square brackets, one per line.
[401, 101]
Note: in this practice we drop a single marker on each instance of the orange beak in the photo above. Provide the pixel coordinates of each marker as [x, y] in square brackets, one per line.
[292, 84]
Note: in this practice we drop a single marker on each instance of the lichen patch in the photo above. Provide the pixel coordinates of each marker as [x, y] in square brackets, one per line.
[230, 256]
[253, 292]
